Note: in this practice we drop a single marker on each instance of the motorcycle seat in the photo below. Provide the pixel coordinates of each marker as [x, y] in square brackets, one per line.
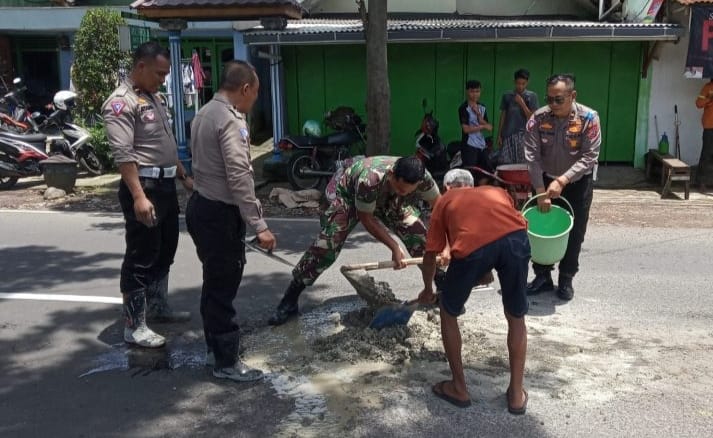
[27, 138]
[307, 140]
[335, 139]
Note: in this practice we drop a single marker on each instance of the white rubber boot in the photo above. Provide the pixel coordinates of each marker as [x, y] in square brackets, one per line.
[136, 331]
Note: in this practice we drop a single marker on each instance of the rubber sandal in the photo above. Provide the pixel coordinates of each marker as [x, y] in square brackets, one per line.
[516, 411]
[438, 391]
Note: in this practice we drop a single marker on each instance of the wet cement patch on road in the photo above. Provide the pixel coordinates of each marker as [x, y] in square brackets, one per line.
[183, 349]
[339, 374]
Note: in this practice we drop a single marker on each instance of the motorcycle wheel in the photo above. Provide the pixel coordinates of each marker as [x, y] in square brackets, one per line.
[299, 161]
[7, 182]
[89, 161]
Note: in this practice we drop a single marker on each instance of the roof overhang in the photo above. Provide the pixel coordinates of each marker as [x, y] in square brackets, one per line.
[324, 31]
[217, 10]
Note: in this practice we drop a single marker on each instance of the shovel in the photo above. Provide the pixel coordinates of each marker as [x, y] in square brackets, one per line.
[371, 266]
[390, 315]
[398, 314]
[253, 245]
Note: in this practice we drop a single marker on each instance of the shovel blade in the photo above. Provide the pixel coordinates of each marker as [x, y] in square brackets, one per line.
[393, 315]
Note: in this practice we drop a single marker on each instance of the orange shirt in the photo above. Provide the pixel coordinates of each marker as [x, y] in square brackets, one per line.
[471, 218]
[705, 101]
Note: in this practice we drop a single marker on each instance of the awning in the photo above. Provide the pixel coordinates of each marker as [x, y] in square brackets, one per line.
[217, 10]
[321, 31]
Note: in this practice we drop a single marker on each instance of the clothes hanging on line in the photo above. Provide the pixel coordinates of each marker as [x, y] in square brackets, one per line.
[190, 91]
[189, 87]
[199, 75]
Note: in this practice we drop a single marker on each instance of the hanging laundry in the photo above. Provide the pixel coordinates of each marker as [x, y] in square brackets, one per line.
[169, 92]
[189, 89]
[199, 75]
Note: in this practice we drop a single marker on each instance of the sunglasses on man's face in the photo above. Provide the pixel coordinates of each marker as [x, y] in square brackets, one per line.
[559, 100]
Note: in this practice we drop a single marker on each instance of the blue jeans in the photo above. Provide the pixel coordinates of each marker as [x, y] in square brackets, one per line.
[509, 256]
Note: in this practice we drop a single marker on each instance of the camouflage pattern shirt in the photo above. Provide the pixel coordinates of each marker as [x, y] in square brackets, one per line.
[364, 184]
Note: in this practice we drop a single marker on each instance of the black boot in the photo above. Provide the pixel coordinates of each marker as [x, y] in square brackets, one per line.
[157, 307]
[288, 304]
[541, 283]
[227, 363]
[565, 291]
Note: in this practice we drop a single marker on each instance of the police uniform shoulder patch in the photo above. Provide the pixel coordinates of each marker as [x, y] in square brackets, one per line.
[530, 124]
[117, 106]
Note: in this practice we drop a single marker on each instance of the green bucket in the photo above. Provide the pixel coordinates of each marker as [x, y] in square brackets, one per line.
[548, 232]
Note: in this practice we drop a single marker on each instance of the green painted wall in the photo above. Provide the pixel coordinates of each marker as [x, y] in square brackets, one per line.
[319, 78]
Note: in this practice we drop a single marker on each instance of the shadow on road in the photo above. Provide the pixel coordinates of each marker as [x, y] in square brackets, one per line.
[35, 267]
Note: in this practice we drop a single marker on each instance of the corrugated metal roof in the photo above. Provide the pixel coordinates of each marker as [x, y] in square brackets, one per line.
[193, 3]
[329, 30]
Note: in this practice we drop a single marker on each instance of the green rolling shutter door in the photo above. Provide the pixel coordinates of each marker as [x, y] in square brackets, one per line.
[319, 78]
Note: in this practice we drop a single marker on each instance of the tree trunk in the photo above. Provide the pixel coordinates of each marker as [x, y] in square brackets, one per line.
[378, 98]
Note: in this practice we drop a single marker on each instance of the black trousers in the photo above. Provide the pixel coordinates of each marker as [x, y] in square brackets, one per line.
[579, 194]
[218, 232]
[149, 250]
[706, 158]
[475, 157]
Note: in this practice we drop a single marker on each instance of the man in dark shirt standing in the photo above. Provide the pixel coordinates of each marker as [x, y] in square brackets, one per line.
[473, 121]
[516, 107]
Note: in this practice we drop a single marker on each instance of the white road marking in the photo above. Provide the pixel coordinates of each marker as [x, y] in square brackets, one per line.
[57, 297]
[120, 215]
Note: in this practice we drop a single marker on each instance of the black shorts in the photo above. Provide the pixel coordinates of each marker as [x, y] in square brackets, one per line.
[509, 256]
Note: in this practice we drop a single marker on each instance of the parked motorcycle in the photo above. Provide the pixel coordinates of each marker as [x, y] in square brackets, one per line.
[57, 124]
[14, 115]
[315, 158]
[20, 159]
[436, 157]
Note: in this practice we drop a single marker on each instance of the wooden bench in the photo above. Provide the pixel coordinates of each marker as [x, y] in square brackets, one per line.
[672, 169]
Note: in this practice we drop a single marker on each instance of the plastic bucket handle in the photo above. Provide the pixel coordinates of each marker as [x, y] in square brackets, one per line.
[524, 207]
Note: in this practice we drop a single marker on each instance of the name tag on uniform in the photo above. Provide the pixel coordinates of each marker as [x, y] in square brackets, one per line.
[244, 133]
[148, 116]
[147, 113]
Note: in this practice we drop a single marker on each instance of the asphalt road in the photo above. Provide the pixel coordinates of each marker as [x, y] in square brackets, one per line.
[629, 356]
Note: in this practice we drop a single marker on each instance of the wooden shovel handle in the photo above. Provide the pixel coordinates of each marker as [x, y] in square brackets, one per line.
[381, 265]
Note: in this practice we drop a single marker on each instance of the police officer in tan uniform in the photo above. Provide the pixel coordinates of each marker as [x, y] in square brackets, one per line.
[142, 143]
[219, 209]
[562, 148]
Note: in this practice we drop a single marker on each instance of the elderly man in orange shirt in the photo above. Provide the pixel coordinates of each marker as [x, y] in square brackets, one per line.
[485, 232]
[705, 101]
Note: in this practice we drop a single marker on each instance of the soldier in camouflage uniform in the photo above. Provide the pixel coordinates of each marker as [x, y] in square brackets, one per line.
[381, 187]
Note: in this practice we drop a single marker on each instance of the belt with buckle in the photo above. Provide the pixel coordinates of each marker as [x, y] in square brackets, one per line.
[157, 172]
